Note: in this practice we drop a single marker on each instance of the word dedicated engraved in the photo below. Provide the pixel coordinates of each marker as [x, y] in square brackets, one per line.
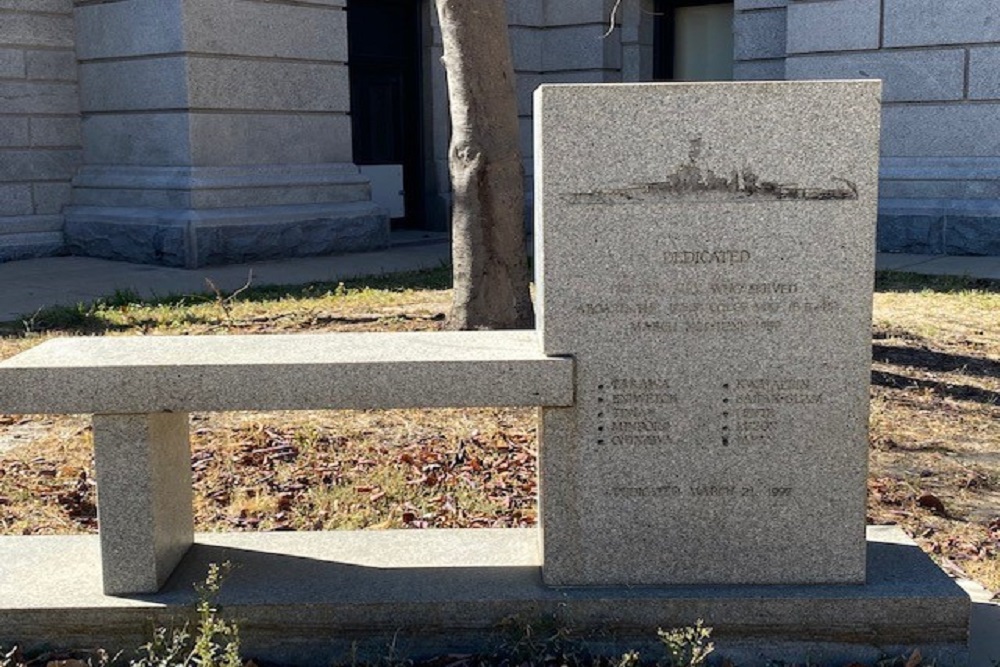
[706, 257]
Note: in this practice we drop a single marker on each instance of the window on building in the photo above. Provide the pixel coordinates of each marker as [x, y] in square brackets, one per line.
[693, 40]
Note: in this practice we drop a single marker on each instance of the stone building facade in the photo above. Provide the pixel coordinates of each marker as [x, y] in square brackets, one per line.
[940, 64]
[194, 132]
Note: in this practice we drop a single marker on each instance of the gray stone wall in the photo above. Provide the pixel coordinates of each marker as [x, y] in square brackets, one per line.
[759, 38]
[940, 185]
[39, 125]
[940, 179]
[194, 110]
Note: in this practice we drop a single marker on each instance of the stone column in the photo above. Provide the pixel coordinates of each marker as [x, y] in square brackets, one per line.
[637, 37]
[144, 498]
[217, 131]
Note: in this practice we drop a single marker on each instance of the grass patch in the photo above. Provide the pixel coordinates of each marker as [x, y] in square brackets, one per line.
[935, 417]
[935, 422]
[901, 281]
[289, 306]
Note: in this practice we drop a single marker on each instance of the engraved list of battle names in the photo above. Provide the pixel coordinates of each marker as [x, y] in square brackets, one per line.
[714, 290]
[749, 411]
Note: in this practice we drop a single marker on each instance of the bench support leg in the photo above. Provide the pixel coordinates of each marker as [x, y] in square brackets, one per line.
[145, 501]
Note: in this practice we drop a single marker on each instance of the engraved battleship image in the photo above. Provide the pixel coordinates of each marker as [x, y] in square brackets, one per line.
[695, 183]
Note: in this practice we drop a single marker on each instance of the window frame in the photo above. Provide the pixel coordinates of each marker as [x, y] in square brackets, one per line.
[664, 33]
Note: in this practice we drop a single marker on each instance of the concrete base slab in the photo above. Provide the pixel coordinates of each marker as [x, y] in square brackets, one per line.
[951, 265]
[984, 626]
[319, 598]
[888, 261]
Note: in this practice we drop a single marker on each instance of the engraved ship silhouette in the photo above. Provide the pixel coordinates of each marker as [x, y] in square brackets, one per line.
[691, 181]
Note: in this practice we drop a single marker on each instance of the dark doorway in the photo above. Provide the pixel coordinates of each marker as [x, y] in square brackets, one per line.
[384, 53]
[693, 40]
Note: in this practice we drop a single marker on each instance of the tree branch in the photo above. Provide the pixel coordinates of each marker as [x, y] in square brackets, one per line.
[611, 21]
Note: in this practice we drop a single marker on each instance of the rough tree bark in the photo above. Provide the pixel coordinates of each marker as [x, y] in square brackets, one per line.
[488, 247]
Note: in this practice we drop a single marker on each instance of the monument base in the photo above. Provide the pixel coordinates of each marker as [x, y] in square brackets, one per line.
[319, 598]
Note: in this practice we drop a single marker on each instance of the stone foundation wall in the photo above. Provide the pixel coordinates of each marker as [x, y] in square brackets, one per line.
[217, 131]
[39, 125]
[206, 107]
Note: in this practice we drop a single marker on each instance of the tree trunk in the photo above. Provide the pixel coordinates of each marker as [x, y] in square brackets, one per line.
[488, 247]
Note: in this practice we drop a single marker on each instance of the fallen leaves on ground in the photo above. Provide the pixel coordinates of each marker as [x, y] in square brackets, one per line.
[340, 471]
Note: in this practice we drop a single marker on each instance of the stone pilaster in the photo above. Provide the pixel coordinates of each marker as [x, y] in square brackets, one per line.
[217, 131]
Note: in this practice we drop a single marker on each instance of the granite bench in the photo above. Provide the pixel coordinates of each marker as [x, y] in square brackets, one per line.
[141, 389]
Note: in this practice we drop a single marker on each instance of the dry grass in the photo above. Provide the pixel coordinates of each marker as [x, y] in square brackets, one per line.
[935, 419]
[935, 459]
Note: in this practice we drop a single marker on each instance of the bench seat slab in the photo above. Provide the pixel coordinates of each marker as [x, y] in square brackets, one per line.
[144, 374]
